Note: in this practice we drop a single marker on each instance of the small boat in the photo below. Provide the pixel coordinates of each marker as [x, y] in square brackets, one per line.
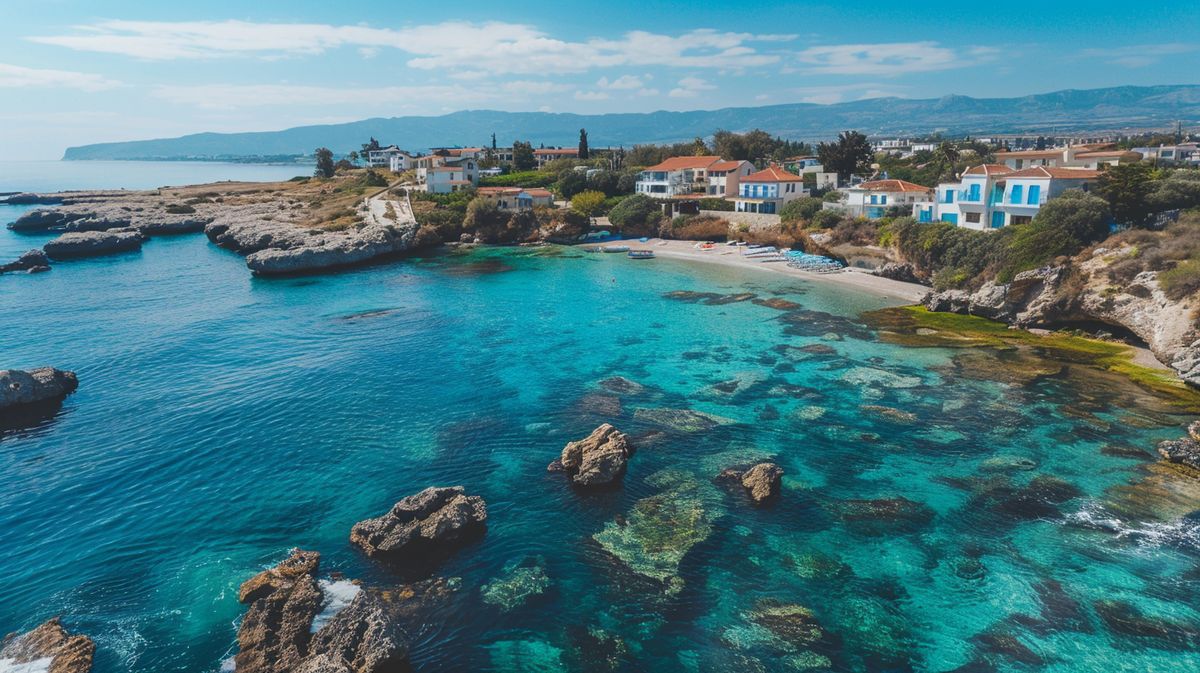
[616, 248]
[641, 254]
[708, 246]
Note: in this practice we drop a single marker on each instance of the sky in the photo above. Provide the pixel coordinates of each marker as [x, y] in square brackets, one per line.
[75, 72]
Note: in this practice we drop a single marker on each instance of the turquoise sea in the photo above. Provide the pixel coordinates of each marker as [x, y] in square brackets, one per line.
[929, 521]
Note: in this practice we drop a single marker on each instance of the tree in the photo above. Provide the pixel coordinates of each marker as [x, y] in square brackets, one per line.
[583, 144]
[352, 157]
[1064, 226]
[638, 213]
[493, 142]
[588, 203]
[570, 183]
[699, 149]
[800, 209]
[367, 148]
[523, 159]
[1180, 189]
[325, 167]
[945, 157]
[1127, 189]
[850, 153]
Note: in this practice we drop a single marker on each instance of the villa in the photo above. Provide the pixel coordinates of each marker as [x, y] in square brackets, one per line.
[677, 176]
[388, 156]
[991, 196]
[546, 155]
[768, 190]
[516, 199]
[449, 176]
[873, 199]
[1076, 156]
[725, 176]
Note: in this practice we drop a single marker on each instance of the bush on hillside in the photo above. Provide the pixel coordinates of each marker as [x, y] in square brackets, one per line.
[638, 215]
[1181, 281]
[800, 209]
[589, 203]
[697, 228]
[519, 179]
[825, 219]
[1064, 226]
[570, 183]
[723, 205]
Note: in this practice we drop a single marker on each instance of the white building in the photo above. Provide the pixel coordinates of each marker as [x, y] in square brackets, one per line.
[992, 196]
[724, 177]
[1075, 156]
[677, 176]
[1186, 154]
[873, 199]
[516, 199]
[768, 190]
[384, 156]
[451, 176]
[546, 155]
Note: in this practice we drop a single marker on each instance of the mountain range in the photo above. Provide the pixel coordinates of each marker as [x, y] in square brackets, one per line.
[1060, 112]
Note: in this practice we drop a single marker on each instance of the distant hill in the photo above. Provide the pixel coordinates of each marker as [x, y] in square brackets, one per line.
[1127, 107]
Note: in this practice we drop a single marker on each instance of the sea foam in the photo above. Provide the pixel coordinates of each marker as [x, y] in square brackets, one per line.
[338, 594]
[36, 666]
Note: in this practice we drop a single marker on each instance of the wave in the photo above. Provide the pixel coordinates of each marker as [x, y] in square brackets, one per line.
[1180, 533]
[338, 595]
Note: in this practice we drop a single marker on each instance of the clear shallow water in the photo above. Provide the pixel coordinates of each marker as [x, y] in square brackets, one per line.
[222, 420]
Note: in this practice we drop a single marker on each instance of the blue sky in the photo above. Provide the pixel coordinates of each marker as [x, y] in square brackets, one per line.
[74, 72]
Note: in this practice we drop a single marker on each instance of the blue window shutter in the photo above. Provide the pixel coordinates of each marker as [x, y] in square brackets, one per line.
[1035, 194]
[1015, 197]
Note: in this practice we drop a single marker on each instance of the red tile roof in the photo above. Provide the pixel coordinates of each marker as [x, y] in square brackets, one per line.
[1030, 154]
[1110, 153]
[1059, 173]
[988, 169]
[727, 165]
[772, 174]
[684, 163]
[893, 186]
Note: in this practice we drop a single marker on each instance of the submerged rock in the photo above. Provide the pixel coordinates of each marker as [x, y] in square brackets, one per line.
[33, 261]
[658, 532]
[1124, 619]
[760, 482]
[47, 648]
[434, 520]
[521, 656]
[45, 384]
[883, 516]
[1184, 451]
[519, 582]
[889, 413]
[682, 420]
[76, 244]
[598, 459]
[622, 386]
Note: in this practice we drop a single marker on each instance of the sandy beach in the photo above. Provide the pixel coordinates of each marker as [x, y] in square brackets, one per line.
[732, 256]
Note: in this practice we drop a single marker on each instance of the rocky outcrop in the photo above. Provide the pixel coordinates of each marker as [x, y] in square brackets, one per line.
[66, 653]
[760, 482]
[34, 261]
[596, 460]
[330, 251]
[283, 601]
[1194, 430]
[1072, 294]
[369, 635]
[78, 244]
[45, 384]
[30, 198]
[433, 521]
[1184, 451]
[903, 272]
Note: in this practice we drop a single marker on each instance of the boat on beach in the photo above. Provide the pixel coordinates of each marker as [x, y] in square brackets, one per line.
[615, 248]
[641, 254]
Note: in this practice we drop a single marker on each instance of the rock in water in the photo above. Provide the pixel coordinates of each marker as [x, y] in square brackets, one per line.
[32, 262]
[363, 637]
[44, 384]
[1184, 451]
[77, 244]
[762, 482]
[283, 602]
[1194, 430]
[50, 641]
[436, 519]
[598, 459]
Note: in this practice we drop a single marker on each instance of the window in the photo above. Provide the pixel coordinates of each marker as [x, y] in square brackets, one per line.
[874, 199]
[1035, 194]
[883, 200]
[972, 217]
[1015, 195]
[973, 192]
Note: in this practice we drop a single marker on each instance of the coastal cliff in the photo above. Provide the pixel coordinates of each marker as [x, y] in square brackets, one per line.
[1080, 293]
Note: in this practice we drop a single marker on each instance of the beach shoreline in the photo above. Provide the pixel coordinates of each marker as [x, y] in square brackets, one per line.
[886, 288]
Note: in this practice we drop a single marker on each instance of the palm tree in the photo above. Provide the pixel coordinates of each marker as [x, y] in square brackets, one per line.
[944, 159]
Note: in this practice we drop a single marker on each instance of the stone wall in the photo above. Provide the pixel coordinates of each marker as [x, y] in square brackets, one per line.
[755, 220]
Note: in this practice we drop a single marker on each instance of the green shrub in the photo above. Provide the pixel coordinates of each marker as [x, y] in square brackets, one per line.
[519, 179]
[800, 209]
[723, 205]
[637, 215]
[1181, 281]
[699, 228]
[825, 219]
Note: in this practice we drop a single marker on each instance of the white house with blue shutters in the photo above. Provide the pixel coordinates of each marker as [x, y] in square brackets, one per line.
[767, 191]
[992, 196]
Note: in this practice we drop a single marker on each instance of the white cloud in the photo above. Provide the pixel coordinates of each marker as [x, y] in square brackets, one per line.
[15, 76]
[1138, 56]
[648, 92]
[887, 59]
[591, 95]
[622, 82]
[690, 87]
[492, 47]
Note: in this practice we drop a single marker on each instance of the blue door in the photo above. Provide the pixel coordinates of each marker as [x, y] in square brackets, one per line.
[997, 219]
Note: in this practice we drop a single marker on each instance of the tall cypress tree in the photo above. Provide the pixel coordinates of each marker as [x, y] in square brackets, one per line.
[583, 144]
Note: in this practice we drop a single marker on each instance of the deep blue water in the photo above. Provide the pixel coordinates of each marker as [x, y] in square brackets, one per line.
[222, 420]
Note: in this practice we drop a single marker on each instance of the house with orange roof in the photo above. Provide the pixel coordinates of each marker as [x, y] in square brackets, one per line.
[724, 177]
[547, 154]
[768, 190]
[992, 196]
[516, 199]
[451, 175]
[873, 198]
[675, 177]
[1076, 156]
